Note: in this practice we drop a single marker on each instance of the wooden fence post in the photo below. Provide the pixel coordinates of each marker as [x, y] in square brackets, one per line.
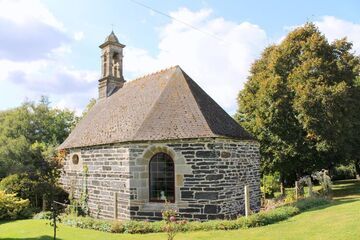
[44, 202]
[115, 205]
[247, 200]
[296, 190]
[282, 190]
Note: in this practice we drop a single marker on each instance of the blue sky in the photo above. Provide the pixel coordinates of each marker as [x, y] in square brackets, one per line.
[51, 47]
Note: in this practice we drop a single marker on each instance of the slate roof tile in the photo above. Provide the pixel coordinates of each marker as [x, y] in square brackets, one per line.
[161, 106]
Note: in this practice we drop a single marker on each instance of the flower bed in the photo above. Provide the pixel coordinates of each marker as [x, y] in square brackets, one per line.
[259, 219]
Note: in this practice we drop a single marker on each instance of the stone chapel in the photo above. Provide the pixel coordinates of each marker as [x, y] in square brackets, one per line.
[159, 138]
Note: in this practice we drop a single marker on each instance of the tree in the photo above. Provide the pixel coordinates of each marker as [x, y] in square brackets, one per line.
[89, 106]
[29, 136]
[301, 101]
[356, 140]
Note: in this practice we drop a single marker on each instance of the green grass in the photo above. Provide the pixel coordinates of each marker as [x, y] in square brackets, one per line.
[338, 220]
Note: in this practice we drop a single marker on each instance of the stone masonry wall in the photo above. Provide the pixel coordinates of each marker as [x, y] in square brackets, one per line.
[108, 174]
[210, 175]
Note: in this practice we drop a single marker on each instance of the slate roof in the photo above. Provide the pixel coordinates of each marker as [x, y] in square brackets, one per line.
[112, 38]
[161, 106]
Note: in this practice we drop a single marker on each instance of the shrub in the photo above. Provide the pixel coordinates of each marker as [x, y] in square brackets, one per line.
[344, 172]
[87, 223]
[32, 189]
[290, 196]
[20, 184]
[134, 226]
[43, 215]
[305, 204]
[157, 226]
[103, 226]
[172, 225]
[259, 219]
[117, 227]
[270, 184]
[196, 226]
[276, 215]
[306, 181]
[12, 207]
[226, 225]
[325, 182]
[278, 195]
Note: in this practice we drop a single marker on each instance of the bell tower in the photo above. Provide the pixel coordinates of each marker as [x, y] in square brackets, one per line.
[111, 66]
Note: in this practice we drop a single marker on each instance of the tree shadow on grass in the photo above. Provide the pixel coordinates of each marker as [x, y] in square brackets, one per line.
[342, 194]
[332, 204]
[45, 237]
[4, 221]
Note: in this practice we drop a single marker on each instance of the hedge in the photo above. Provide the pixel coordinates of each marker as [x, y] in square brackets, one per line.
[255, 220]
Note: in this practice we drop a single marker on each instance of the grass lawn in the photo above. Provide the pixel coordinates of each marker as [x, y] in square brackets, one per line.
[338, 220]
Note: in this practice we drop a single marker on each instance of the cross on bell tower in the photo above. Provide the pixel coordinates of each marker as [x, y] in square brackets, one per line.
[111, 66]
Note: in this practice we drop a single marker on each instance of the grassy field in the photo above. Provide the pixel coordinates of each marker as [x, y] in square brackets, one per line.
[338, 220]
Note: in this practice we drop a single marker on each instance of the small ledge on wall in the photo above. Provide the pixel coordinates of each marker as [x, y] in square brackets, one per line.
[158, 207]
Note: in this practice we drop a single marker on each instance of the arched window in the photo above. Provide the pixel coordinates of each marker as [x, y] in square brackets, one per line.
[161, 178]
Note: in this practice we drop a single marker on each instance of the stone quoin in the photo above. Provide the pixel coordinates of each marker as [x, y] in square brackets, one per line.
[159, 138]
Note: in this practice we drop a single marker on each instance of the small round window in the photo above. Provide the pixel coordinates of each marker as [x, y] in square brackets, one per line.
[75, 159]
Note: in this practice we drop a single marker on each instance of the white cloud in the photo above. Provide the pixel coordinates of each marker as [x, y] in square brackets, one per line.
[24, 11]
[60, 51]
[78, 36]
[219, 67]
[335, 28]
[70, 102]
[48, 77]
[8, 66]
[66, 87]
[33, 51]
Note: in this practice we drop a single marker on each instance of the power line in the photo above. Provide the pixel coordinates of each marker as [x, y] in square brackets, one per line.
[178, 20]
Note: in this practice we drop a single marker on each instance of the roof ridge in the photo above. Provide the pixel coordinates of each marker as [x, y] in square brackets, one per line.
[152, 74]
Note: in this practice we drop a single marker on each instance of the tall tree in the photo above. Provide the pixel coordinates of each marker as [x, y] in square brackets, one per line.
[302, 103]
[29, 135]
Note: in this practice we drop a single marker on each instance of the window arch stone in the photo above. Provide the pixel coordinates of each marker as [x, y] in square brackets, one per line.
[142, 161]
[151, 151]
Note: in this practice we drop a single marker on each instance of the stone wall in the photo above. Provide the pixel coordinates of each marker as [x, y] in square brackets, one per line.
[210, 175]
[108, 177]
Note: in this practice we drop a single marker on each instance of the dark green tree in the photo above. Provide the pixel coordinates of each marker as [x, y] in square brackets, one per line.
[302, 102]
[29, 135]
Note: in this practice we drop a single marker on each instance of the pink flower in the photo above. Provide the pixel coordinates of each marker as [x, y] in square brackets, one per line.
[172, 219]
